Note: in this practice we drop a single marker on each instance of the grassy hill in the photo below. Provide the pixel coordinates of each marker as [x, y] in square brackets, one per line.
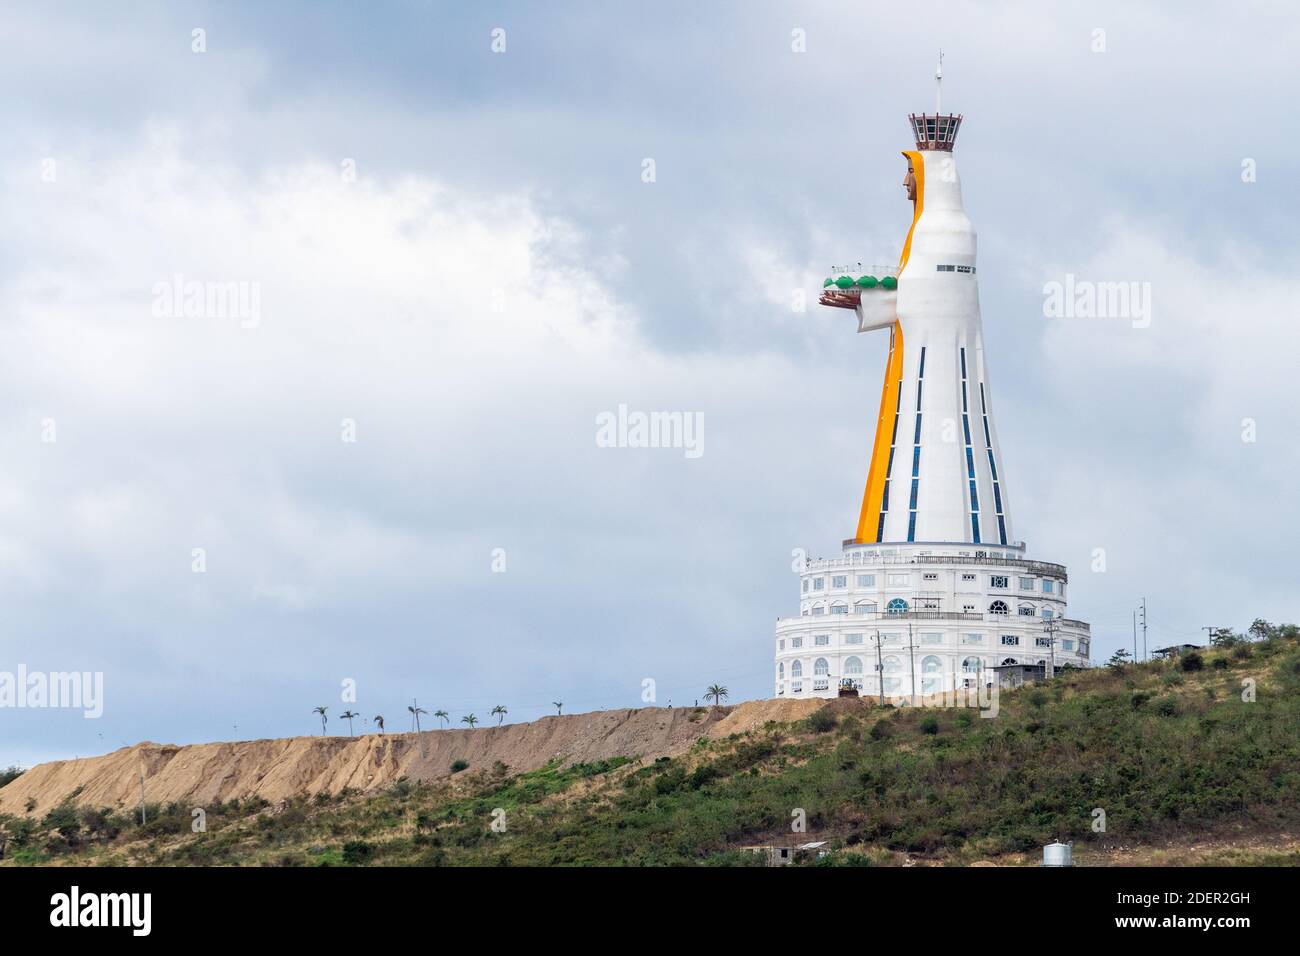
[1170, 751]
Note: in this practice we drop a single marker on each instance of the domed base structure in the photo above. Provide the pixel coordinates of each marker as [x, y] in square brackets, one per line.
[924, 619]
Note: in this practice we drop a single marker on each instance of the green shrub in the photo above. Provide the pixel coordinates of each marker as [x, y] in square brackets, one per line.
[459, 765]
[1192, 661]
[356, 852]
[930, 724]
[1167, 706]
[822, 721]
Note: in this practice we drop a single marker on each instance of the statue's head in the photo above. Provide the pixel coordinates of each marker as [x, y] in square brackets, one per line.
[909, 182]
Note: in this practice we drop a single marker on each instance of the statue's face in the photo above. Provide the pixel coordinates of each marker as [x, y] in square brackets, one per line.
[909, 183]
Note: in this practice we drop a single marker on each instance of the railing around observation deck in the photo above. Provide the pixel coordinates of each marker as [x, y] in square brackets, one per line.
[821, 620]
[858, 559]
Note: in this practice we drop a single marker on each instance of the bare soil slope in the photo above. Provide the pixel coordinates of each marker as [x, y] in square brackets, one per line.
[204, 774]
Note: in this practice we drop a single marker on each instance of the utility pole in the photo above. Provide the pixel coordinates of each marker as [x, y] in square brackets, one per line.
[1144, 628]
[911, 653]
[1050, 626]
[1212, 633]
[1135, 637]
[142, 810]
[880, 670]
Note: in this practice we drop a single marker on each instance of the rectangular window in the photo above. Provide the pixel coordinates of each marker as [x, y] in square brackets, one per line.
[931, 638]
[1026, 584]
[819, 611]
[972, 638]
[1067, 644]
[968, 577]
[1026, 610]
[1010, 640]
[822, 640]
[819, 584]
[780, 645]
[1047, 587]
[840, 581]
[1043, 641]
[998, 581]
[796, 642]
[1083, 648]
[852, 638]
[898, 580]
[866, 580]
[890, 638]
[805, 585]
[839, 609]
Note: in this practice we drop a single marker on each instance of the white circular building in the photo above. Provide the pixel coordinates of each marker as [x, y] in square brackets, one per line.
[932, 592]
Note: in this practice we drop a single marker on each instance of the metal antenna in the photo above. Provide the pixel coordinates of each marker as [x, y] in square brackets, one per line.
[938, 85]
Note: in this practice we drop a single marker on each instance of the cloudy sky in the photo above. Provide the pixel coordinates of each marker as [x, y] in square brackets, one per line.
[458, 261]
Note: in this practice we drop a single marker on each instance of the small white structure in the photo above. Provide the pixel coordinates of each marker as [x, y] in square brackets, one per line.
[1058, 854]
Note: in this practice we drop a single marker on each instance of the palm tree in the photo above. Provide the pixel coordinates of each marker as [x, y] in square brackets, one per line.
[559, 706]
[415, 715]
[469, 719]
[321, 711]
[442, 715]
[717, 692]
[499, 711]
[348, 715]
[379, 719]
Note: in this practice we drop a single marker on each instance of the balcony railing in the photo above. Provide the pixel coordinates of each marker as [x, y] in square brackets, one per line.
[823, 620]
[858, 561]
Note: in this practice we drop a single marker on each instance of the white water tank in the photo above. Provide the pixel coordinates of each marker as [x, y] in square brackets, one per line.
[1057, 854]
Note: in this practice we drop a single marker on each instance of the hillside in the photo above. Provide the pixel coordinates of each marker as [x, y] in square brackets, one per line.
[276, 770]
[1184, 768]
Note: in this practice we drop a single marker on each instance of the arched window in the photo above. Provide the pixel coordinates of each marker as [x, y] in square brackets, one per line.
[853, 665]
[820, 667]
[971, 666]
[796, 668]
[865, 607]
[820, 609]
[1009, 660]
[780, 671]
[998, 607]
[931, 668]
[892, 679]
[896, 606]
